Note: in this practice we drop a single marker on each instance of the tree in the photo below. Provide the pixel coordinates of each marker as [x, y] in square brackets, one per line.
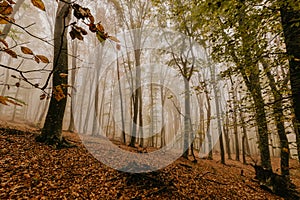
[233, 47]
[133, 15]
[52, 130]
[290, 15]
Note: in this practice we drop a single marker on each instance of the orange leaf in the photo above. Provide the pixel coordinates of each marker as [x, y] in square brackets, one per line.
[3, 100]
[7, 99]
[58, 93]
[6, 20]
[39, 4]
[44, 59]
[100, 27]
[5, 8]
[26, 50]
[285, 150]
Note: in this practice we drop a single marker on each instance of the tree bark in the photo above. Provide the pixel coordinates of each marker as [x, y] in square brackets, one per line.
[208, 116]
[217, 103]
[226, 134]
[52, 130]
[73, 79]
[250, 72]
[279, 121]
[290, 18]
[187, 118]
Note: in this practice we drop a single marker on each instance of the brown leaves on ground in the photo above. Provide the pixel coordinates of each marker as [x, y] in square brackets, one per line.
[30, 170]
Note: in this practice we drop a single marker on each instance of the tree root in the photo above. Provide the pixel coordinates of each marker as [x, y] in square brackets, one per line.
[54, 141]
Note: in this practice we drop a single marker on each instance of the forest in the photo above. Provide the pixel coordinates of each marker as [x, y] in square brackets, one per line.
[150, 99]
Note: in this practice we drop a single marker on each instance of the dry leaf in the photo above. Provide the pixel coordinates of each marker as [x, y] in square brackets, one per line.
[36, 59]
[43, 96]
[118, 46]
[6, 20]
[114, 39]
[26, 50]
[63, 75]
[11, 53]
[59, 93]
[4, 42]
[5, 8]
[44, 59]
[39, 4]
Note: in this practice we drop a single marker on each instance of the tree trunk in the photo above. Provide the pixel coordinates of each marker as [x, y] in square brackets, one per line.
[52, 130]
[290, 15]
[162, 132]
[279, 121]
[226, 134]
[235, 124]
[217, 102]
[73, 78]
[136, 98]
[261, 122]
[123, 135]
[251, 75]
[187, 118]
[208, 116]
[245, 143]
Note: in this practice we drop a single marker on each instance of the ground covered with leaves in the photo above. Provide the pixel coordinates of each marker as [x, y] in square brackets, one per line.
[31, 170]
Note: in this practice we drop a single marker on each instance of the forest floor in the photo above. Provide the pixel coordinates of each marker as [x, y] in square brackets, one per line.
[31, 170]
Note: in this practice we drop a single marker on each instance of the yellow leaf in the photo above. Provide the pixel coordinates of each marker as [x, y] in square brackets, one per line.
[44, 59]
[39, 4]
[26, 50]
[114, 39]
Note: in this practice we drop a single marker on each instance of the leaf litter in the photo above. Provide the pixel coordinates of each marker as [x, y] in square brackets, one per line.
[31, 170]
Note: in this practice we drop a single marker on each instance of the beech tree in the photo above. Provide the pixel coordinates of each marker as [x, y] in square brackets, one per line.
[52, 130]
[290, 15]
